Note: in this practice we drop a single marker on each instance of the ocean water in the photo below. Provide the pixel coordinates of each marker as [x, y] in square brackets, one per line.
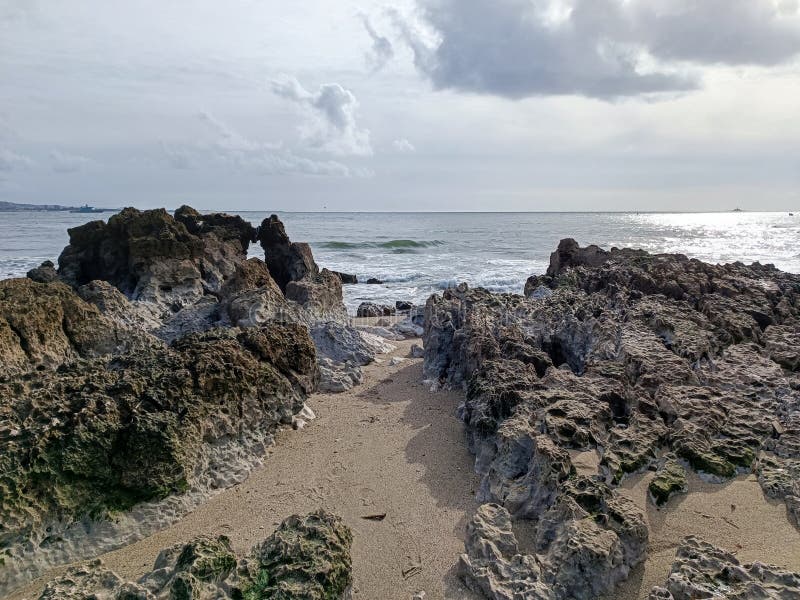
[417, 254]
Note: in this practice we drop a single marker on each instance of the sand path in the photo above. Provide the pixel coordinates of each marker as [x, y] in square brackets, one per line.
[388, 446]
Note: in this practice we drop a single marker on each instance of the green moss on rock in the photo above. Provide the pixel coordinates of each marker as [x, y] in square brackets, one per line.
[670, 479]
[307, 558]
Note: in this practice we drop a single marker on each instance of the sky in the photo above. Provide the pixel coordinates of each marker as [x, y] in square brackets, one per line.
[541, 105]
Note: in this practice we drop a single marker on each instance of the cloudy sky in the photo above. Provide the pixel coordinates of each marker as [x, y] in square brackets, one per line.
[402, 105]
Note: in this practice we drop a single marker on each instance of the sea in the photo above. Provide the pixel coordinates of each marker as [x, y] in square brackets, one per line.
[418, 254]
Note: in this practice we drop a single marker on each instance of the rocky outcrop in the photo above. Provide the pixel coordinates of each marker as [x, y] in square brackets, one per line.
[370, 309]
[307, 557]
[44, 325]
[629, 355]
[287, 260]
[153, 256]
[493, 565]
[670, 479]
[346, 278]
[342, 352]
[705, 571]
[149, 371]
[111, 432]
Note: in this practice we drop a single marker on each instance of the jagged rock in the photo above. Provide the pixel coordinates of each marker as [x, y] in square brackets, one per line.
[342, 352]
[370, 309]
[338, 377]
[44, 273]
[320, 296]
[407, 329]
[403, 305]
[152, 256]
[493, 564]
[626, 354]
[44, 325]
[109, 432]
[287, 260]
[307, 557]
[588, 541]
[670, 479]
[705, 571]
[417, 351]
[345, 278]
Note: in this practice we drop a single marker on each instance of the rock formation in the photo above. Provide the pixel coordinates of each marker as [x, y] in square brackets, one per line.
[307, 557]
[705, 571]
[151, 369]
[370, 309]
[628, 354]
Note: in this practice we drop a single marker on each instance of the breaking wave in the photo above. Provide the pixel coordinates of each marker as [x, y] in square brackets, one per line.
[390, 245]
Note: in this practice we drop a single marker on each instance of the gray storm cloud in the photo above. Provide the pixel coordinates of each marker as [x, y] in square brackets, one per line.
[595, 48]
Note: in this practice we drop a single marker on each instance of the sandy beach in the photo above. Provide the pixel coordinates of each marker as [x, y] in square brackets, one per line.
[389, 446]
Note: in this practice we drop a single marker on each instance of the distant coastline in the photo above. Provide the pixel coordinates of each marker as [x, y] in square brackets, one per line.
[13, 206]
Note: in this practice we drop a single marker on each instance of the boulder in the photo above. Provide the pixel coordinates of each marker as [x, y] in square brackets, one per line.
[345, 278]
[44, 273]
[306, 557]
[287, 260]
[670, 479]
[370, 309]
[493, 565]
[374, 281]
[44, 325]
[153, 256]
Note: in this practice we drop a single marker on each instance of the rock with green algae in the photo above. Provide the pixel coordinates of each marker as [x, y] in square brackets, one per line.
[670, 479]
[307, 558]
[103, 434]
[43, 325]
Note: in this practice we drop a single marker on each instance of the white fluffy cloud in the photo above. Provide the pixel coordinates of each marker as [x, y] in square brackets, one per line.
[596, 48]
[331, 112]
[230, 147]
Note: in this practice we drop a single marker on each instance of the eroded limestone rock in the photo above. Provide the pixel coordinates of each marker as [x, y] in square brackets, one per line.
[629, 355]
[705, 571]
[307, 557]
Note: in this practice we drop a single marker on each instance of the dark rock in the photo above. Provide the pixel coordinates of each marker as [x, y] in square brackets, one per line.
[44, 273]
[370, 309]
[403, 306]
[307, 557]
[345, 278]
[374, 281]
[152, 256]
[287, 260]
